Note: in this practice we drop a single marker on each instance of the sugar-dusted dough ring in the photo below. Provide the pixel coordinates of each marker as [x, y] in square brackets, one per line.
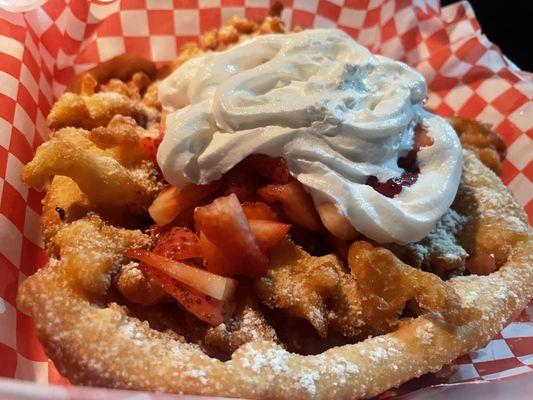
[102, 346]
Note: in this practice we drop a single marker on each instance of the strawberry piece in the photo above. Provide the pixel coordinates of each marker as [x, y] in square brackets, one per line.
[259, 210]
[242, 183]
[176, 243]
[296, 202]
[171, 201]
[215, 259]
[206, 308]
[271, 168]
[225, 225]
[268, 233]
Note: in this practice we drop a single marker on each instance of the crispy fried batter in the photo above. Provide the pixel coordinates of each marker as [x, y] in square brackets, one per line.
[102, 178]
[387, 284]
[480, 138]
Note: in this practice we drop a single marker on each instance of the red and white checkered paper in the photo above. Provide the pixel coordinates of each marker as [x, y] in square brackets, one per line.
[42, 49]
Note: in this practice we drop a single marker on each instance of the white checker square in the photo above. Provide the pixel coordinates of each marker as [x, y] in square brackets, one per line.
[492, 88]
[36, 371]
[32, 227]
[79, 68]
[321, 22]
[352, 18]
[13, 168]
[369, 36]
[490, 115]
[458, 96]
[464, 372]
[433, 101]
[9, 86]
[528, 360]
[417, 54]
[405, 20]
[510, 372]
[186, 22]
[374, 3]
[10, 235]
[159, 4]
[8, 322]
[492, 60]
[40, 125]
[75, 28]
[522, 188]
[24, 123]
[30, 45]
[134, 22]
[100, 11]
[461, 30]
[229, 12]
[163, 47]
[64, 60]
[392, 48]
[519, 152]
[5, 128]
[109, 47]
[27, 79]
[306, 5]
[522, 117]
[11, 46]
[453, 67]
[257, 3]
[495, 350]
[39, 20]
[428, 28]
[45, 56]
[387, 11]
[286, 16]
[58, 89]
[209, 3]
[45, 88]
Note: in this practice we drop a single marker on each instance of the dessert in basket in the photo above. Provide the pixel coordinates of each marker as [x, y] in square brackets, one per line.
[275, 215]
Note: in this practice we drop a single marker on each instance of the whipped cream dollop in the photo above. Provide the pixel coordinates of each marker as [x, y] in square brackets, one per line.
[337, 114]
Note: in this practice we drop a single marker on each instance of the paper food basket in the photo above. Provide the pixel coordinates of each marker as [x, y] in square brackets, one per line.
[43, 44]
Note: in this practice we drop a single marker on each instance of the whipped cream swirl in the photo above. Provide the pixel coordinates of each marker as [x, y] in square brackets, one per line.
[334, 111]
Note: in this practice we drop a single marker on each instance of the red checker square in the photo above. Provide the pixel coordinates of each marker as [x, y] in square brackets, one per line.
[161, 22]
[388, 30]
[473, 107]
[34, 200]
[438, 57]
[372, 17]
[476, 75]
[54, 377]
[3, 162]
[137, 45]
[470, 51]
[359, 4]
[508, 131]
[302, 18]
[44, 105]
[20, 147]
[9, 276]
[10, 65]
[232, 3]
[529, 211]
[329, 10]
[509, 75]
[256, 14]
[509, 101]
[27, 344]
[54, 8]
[521, 346]
[464, 359]
[440, 83]
[31, 64]
[286, 3]
[111, 26]
[80, 9]
[401, 4]
[444, 110]
[133, 4]
[509, 171]
[52, 39]
[209, 19]
[89, 54]
[183, 40]
[7, 109]
[411, 39]
[8, 365]
[70, 45]
[186, 4]
[13, 206]
[13, 31]
[32, 257]
[27, 102]
[350, 31]
[528, 170]
[493, 367]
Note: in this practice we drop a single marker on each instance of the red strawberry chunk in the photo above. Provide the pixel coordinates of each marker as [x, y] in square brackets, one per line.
[225, 225]
[272, 168]
[268, 233]
[296, 202]
[259, 210]
[176, 243]
[215, 259]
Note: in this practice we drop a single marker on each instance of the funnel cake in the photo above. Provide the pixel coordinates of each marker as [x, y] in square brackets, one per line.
[120, 303]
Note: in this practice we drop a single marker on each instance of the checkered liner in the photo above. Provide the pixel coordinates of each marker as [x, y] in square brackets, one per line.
[42, 49]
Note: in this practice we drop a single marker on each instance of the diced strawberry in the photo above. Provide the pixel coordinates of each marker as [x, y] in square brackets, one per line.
[171, 202]
[215, 259]
[176, 243]
[268, 233]
[296, 202]
[259, 210]
[272, 168]
[241, 182]
[225, 225]
[204, 307]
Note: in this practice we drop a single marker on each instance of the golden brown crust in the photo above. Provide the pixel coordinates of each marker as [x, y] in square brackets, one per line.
[103, 347]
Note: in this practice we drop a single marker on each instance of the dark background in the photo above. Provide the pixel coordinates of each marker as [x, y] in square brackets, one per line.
[508, 24]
